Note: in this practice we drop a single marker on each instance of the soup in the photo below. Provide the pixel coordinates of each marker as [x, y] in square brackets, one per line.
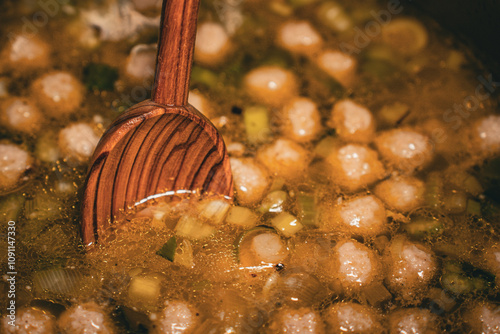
[364, 146]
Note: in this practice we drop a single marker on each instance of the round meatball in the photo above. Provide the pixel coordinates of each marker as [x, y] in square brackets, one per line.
[299, 37]
[353, 266]
[271, 85]
[302, 320]
[14, 162]
[251, 180]
[405, 149]
[339, 65]
[77, 142]
[401, 193]
[301, 120]
[177, 317]
[212, 44]
[29, 320]
[411, 267]
[361, 216]
[201, 103]
[349, 317]
[285, 158]
[404, 35]
[20, 114]
[141, 63]
[58, 93]
[352, 122]
[486, 135]
[483, 318]
[86, 318]
[355, 166]
[413, 320]
[25, 53]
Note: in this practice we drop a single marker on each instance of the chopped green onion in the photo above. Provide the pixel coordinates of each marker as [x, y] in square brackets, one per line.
[287, 224]
[434, 190]
[203, 76]
[256, 121]
[167, 251]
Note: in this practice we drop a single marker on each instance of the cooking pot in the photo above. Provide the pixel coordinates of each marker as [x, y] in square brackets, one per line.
[476, 23]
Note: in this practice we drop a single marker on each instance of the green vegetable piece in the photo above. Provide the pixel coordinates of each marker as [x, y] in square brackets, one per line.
[10, 207]
[273, 202]
[256, 121]
[100, 77]
[456, 283]
[392, 114]
[473, 207]
[306, 204]
[167, 251]
[424, 226]
[203, 76]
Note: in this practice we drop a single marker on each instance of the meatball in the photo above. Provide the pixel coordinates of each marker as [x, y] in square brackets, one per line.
[77, 142]
[24, 53]
[285, 158]
[299, 37]
[212, 44]
[405, 149]
[251, 180]
[338, 65]
[177, 317]
[352, 122]
[20, 114]
[486, 135]
[413, 320]
[271, 85]
[301, 120]
[14, 162]
[85, 318]
[58, 93]
[141, 63]
[29, 320]
[354, 266]
[349, 317]
[200, 102]
[484, 318]
[411, 267]
[355, 166]
[401, 193]
[302, 320]
[361, 216]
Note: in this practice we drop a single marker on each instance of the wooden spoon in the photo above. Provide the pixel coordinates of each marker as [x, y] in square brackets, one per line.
[161, 147]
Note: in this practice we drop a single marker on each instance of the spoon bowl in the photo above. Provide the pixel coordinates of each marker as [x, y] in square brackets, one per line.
[160, 148]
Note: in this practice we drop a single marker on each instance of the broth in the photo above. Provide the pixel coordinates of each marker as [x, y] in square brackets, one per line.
[364, 145]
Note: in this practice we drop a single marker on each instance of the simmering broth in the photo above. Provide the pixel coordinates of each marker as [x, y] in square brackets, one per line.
[364, 144]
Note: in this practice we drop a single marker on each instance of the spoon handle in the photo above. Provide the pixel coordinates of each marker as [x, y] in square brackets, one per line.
[175, 52]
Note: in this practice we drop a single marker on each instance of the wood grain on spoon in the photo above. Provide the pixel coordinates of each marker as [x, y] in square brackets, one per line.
[160, 147]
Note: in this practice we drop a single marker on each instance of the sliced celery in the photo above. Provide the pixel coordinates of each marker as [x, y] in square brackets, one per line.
[392, 114]
[434, 190]
[257, 126]
[241, 216]
[473, 207]
[287, 224]
[306, 207]
[11, 206]
[274, 202]
[193, 228]
[424, 226]
[214, 211]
